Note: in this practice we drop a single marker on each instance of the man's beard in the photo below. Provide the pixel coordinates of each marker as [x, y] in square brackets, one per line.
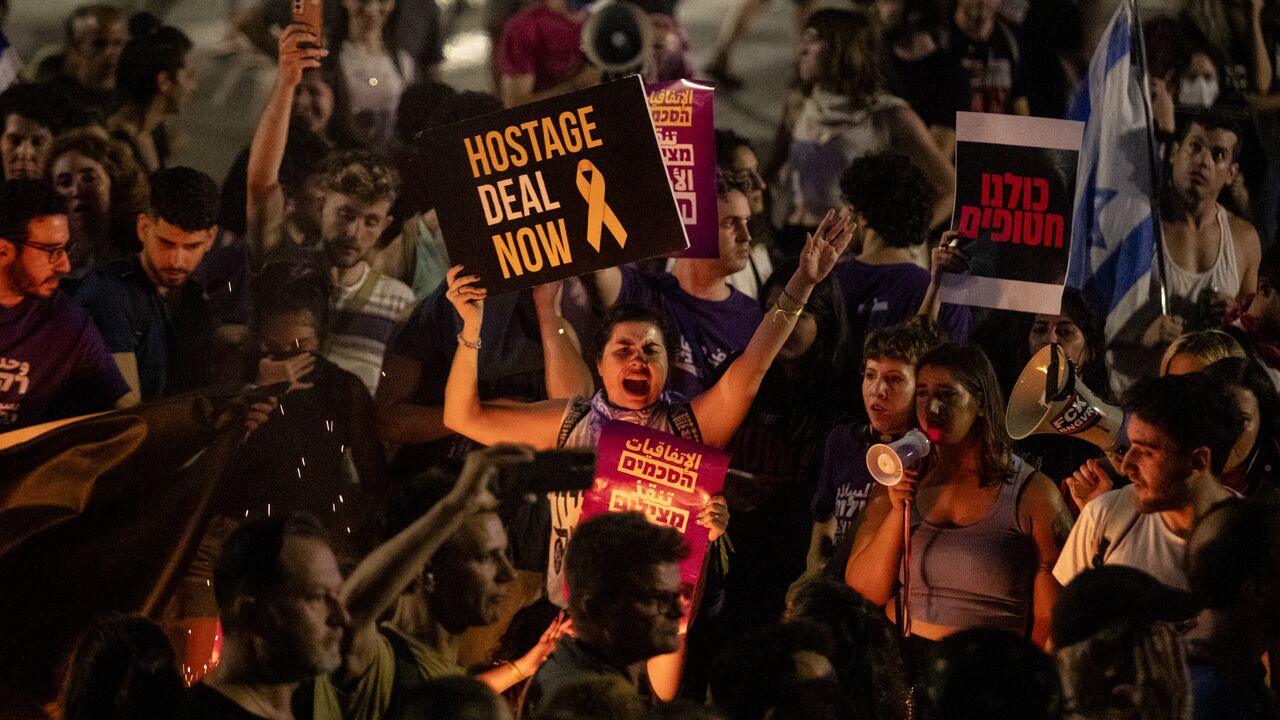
[290, 658]
[161, 277]
[1175, 496]
[20, 280]
[342, 254]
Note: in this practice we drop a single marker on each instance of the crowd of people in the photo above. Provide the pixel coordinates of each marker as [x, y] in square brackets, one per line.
[364, 556]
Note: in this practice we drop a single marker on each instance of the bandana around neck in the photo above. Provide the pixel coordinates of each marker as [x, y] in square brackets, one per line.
[603, 412]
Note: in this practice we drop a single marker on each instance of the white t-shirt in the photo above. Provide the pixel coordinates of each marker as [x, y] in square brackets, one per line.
[1149, 546]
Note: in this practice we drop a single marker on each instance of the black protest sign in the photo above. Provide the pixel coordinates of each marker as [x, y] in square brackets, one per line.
[1015, 190]
[553, 189]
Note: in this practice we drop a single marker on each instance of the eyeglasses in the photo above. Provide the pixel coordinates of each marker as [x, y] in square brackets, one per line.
[55, 252]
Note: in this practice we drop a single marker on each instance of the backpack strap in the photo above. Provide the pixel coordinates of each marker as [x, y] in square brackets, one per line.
[578, 409]
[303, 700]
[680, 415]
[361, 298]
[407, 675]
[1106, 545]
[685, 424]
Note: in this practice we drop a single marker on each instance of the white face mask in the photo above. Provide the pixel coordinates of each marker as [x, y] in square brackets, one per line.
[1198, 92]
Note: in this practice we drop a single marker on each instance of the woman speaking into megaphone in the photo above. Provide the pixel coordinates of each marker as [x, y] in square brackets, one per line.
[985, 528]
[1081, 465]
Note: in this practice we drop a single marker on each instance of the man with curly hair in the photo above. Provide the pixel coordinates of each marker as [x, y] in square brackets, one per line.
[359, 189]
[154, 316]
[890, 201]
[335, 219]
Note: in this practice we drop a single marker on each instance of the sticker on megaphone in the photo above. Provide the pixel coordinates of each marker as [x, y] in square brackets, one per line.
[887, 461]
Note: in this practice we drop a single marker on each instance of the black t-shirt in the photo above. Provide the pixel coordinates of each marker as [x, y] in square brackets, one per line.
[204, 703]
[935, 86]
[993, 66]
[510, 365]
[511, 361]
[320, 455]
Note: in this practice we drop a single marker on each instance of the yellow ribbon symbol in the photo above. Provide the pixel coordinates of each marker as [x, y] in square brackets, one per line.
[590, 183]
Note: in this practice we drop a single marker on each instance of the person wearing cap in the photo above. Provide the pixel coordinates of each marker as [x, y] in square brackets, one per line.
[1180, 430]
[1119, 652]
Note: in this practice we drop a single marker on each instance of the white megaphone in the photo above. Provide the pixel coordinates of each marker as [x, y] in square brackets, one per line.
[887, 461]
[1049, 398]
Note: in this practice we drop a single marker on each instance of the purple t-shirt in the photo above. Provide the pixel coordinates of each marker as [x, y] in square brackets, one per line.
[877, 296]
[53, 363]
[710, 331]
[844, 483]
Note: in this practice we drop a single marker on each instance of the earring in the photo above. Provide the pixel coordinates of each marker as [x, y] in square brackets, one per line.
[428, 582]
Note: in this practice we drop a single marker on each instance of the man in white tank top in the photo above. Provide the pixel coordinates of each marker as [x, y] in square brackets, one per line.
[1206, 249]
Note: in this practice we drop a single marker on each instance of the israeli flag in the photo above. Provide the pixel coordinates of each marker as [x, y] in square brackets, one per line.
[1114, 233]
[9, 63]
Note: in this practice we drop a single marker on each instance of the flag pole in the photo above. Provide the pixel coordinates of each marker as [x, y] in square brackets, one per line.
[1140, 56]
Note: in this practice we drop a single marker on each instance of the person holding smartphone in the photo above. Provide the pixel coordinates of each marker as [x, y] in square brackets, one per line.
[318, 450]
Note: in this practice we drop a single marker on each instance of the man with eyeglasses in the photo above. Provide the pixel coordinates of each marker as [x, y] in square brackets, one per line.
[154, 316]
[625, 598]
[53, 362]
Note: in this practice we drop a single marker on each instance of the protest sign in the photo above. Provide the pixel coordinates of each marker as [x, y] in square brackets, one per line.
[553, 189]
[1015, 188]
[664, 476]
[685, 123]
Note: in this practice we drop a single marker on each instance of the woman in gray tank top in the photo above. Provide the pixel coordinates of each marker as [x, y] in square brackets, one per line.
[986, 528]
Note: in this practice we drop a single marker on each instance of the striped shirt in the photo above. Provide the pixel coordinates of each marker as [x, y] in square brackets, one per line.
[361, 328]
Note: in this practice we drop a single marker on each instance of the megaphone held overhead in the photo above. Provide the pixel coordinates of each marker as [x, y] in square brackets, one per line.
[1049, 398]
[617, 36]
[887, 461]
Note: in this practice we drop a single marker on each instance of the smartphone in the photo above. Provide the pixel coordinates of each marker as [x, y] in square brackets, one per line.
[311, 14]
[563, 470]
[262, 393]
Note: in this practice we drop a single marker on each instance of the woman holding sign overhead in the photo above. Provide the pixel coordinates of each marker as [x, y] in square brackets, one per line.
[633, 362]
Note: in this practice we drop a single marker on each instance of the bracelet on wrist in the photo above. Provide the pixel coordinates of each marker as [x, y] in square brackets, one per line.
[468, 344]
[516, 669]
[791, 314]
[791, 297]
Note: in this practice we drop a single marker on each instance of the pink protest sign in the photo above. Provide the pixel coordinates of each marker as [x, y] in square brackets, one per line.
[682, 117]
[665, 477]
